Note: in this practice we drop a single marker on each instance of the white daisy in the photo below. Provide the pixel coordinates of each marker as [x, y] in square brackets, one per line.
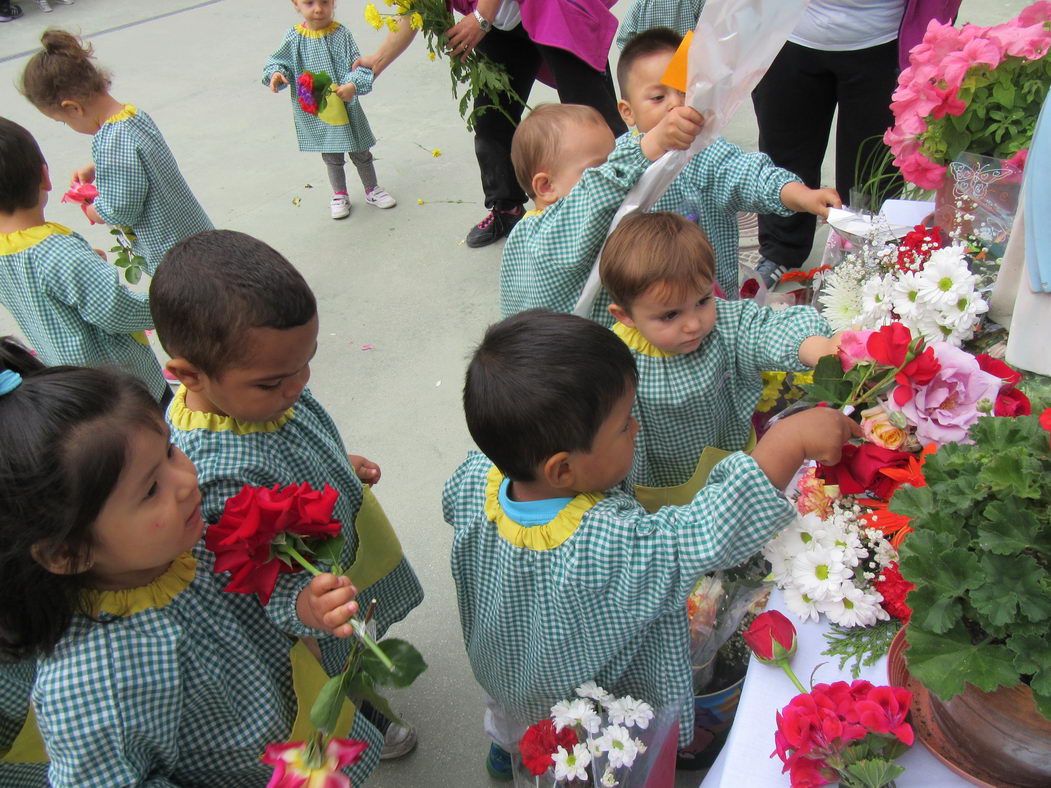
[630, 712]
[609, 778]
[819, 572]
[876, 304]
[905, 296]
[854, 608]
[573, 713]
[571, 765]
[945, 277]
[592, 691]
[801, 605]
[618, 745]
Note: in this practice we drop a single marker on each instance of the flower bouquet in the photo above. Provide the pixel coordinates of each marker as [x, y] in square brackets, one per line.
[477, 74]
[313, 91]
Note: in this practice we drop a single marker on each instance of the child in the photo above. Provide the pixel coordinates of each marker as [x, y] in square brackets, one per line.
[559, 582]
[146, 671]
[560, 154]
[699, 357]
[241, 326]
[138, 180]
[317, 44]
[70, 304]
[721, 180]
[679, 15]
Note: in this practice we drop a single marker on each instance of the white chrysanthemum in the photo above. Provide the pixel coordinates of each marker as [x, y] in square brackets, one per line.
[854, 608]
[798, 537]
[876, 304]
[609, 778]
[801, 605]
[592, 691]
[905, 296]
[571, 765]
[575, 712]
[618, 745]
[945, 277]
[840, 301]
[850, 543]
[630, 712]
[819, 572]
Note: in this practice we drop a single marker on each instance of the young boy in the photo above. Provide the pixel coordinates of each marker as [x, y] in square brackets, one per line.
[69, 303]
[559, 582]
[560, 154]
[699, 357]
[241, 325]
[720, 181]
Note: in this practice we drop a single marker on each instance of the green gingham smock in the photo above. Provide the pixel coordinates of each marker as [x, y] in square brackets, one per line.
[680, 15]
[716, 184]
[331, 50]
[686, 401]
[179, 684]
[601, 593]
[549, 254]
[302, 446]
[72, 306]
[140, 186]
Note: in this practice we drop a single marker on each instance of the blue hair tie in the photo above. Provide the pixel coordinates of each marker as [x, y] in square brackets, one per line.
[9, 381]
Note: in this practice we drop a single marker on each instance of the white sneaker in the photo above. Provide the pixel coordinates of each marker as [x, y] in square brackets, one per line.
[340, 206]
[378, 197]
[62, 2]
[45, 6]
[398, 742]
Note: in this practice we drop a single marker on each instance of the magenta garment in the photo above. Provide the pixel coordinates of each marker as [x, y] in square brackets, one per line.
[583, 27]
[918, 13]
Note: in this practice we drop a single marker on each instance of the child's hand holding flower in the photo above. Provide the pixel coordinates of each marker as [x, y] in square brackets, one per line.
[346, 91]
[327, 603]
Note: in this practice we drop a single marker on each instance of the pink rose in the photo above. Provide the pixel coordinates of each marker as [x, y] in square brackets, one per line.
[853, 349]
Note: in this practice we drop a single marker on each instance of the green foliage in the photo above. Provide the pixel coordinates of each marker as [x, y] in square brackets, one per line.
[124, 255]
[872, 773]
[863, 645]
[830, 384]
[408, 663]
[980, 557]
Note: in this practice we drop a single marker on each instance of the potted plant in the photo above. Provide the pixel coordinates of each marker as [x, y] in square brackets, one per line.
[980, 558]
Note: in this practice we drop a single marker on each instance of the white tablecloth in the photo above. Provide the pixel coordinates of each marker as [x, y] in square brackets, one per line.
[744, 761]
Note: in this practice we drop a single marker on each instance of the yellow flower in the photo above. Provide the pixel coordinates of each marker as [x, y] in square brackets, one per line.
[772, 382]
[877, 428]
[392, 23]
[431, 56]
[372, 16]
[419, 202]
[416, 21]
[389, 2]
[436, 152]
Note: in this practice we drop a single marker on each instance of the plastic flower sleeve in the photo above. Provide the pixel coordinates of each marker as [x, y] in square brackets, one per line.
[733, 45]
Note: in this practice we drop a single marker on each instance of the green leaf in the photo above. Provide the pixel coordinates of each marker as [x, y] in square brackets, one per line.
[408, 663]
[361, 688]
[875, 773]
[863, 645]
[1012, 583]
[944, 662]
[830, 383]
[327, 550]
[324, 714]
[1011, 529]
[133, 274]
[1033, 658]
[942, 572]
[912, 502]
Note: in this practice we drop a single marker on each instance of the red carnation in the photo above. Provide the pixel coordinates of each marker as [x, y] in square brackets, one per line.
[918, 372]
[890, 345]
[541, 741]
[894, 589]
[244, 538]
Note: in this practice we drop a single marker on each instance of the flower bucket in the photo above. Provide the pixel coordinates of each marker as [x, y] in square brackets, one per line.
[713, 715]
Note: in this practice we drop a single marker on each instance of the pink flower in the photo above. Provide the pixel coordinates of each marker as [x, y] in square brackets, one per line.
[948, 103]
[1028, 41]
[920, 170]
[955, 65]
[1037, 13]
[944, 409]
[853, 349]
[884, 710]
[1019, 159]
[291, 768]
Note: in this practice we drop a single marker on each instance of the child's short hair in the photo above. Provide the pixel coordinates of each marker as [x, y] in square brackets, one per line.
[648, 42]
[655, 248]
[65, 433]
[543, 382]
[535, 145]
[62, 70]
[21, 168]
[212, 287]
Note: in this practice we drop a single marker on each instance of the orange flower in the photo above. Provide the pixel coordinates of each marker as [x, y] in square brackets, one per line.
[912, 474]
[894, 526]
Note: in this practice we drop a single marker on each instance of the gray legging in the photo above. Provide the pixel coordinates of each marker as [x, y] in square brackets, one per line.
[338, 178]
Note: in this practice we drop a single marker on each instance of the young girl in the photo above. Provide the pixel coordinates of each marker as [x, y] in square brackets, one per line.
[319, 43]
[147, 672]
[138, 180]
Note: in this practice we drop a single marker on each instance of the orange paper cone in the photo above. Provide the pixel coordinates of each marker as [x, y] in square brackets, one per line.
[675, 76]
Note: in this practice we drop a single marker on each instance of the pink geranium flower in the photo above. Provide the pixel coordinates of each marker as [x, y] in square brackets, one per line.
[920, 170]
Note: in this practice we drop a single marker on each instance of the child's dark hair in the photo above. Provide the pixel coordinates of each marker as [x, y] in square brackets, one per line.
[21, 168]
[63, 70]
[650, 249]
[64, 433]
[212, 287]
[543, 382]
[648, 42]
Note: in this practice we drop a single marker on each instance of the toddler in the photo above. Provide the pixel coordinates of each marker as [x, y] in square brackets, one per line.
[319, 43]
[561, 579]
[69, 303]
[699, 357]
[146, 671]
[720, 181]
[139, 184]
[240, 325]
[560, 154]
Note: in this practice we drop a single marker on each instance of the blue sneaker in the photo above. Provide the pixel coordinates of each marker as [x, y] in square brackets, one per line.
[498, 764]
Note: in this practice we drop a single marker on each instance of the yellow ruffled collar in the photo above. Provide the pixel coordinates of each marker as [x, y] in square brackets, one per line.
[182, 418]
[536, 537]
[637, 342]
[534, 212]
[157, 594]
[305, 31]
[128, 111]
[20, 240]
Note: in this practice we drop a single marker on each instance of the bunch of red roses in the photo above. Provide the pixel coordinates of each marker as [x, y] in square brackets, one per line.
[827, 734]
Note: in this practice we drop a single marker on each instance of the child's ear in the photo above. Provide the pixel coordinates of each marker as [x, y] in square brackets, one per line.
[69, 105]
[624, 108]
[543, 188]
[557, 471]
[621, 315]
[189, 375]
[60, 561]
[45, 179]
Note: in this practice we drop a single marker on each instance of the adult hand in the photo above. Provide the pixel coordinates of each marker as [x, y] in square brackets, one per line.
[366, 61]
[276, 81]
[464, 37]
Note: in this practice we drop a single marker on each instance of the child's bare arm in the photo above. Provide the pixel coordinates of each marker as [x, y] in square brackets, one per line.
[813, 349]
[676, 131]
[815, 434]
[799, 197]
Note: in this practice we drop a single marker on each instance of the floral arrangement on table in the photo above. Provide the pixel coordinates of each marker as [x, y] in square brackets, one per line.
[590, 734]
[477, 74]
[264, 532]
[974, 89]
[840, 732]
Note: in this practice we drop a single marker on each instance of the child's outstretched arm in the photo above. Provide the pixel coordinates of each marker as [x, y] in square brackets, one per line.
[815, 434]
[278, 72]
[799, 197]
[813, 349]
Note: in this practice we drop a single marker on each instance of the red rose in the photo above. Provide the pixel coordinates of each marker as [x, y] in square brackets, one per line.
[890, 345]
[894, 589]
[541, 741]
[994, 366]
[859, 470]
[771, 637]
[1012, 402]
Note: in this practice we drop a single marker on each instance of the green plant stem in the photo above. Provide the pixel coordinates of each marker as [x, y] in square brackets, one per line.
[359, 629]
[294, 554]
[788, 671]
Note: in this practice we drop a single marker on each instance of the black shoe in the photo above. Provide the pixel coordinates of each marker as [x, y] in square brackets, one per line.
[10, 12]
[493, 227]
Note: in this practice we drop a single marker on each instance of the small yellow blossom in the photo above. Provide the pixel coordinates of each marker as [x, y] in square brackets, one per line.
[436, 152]
[389, 2]
[372, 16]
[431, 56]
[392, 23]
[416, 21]
[419, 202]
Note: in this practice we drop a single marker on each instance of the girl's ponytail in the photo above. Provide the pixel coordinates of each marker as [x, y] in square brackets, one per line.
[64, 69]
